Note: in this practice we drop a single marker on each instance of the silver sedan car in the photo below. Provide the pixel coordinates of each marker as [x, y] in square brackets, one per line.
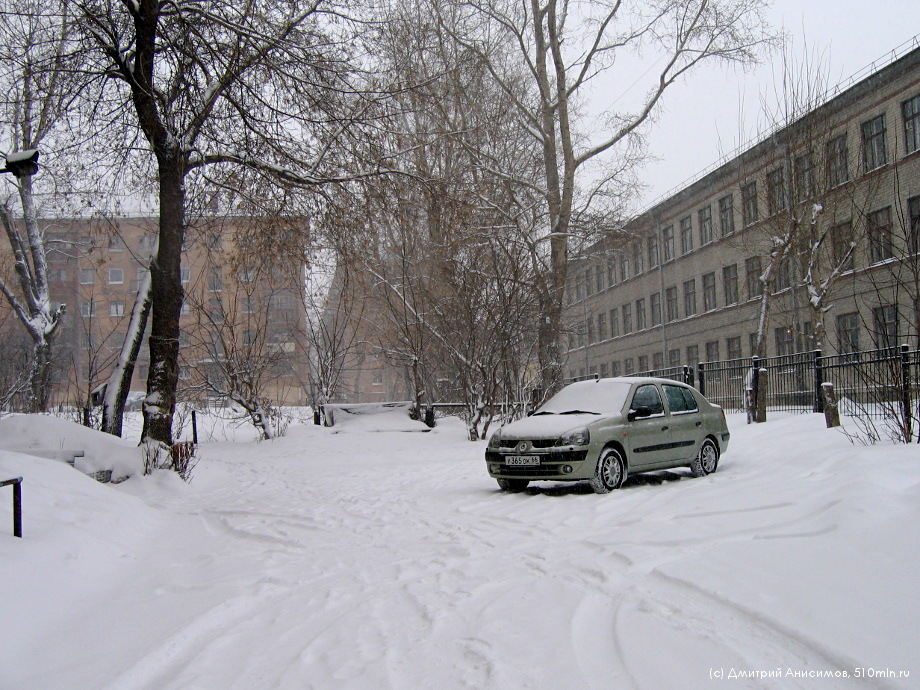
[604, 430]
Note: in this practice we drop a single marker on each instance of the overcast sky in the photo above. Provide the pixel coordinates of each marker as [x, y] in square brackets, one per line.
[719, 109]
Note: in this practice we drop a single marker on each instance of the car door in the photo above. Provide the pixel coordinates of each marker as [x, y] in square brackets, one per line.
[649, 433]
[686, 421]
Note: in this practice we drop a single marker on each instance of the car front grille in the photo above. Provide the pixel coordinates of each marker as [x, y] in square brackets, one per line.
[535, 443]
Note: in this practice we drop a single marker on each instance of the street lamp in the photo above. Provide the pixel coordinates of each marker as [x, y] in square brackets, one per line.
[22, 163]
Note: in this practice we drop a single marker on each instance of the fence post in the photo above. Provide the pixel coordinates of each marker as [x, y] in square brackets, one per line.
[751, 392]
[194, 428]
[819, 379]
[831, 411]
[17, 504]
[702, 386]
[906, 412]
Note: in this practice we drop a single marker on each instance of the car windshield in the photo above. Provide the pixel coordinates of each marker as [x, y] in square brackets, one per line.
[588, 397]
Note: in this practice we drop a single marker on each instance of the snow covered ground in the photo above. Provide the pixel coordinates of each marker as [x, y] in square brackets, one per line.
[362, 559]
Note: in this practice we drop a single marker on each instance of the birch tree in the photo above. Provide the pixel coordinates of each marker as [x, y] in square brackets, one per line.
[560, 53]
[39, 87]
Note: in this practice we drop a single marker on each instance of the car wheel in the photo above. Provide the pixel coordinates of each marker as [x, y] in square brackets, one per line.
[513, 484]
[706, 461]
[610, 473]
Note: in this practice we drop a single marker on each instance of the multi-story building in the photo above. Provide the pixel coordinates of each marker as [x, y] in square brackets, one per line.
[817, 227]
[238, 309]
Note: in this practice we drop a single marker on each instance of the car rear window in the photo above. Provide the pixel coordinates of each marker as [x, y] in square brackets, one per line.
[680, 399]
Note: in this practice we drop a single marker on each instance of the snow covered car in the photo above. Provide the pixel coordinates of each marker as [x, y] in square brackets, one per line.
[604, 430]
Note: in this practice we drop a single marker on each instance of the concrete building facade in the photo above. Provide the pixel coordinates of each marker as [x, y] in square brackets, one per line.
[834, 192]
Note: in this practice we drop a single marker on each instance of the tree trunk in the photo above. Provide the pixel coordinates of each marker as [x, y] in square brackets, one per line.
[40, 376]
[166, 300]
[119, 384]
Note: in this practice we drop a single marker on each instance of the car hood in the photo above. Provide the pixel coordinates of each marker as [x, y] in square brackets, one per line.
[548, 425]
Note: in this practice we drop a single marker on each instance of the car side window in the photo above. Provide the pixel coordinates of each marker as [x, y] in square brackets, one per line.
[680, 400]
[648, 396]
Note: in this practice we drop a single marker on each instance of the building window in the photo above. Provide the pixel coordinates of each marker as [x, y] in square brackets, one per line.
[643, 363]
[712, 351]
[627, 318]
[215, 242]
[611, 272]
[842, 245]
[874, 149]
[704, 218]
[116, 309]
[87, 309]
[848, 333]
[878, 230]
[667, 238]
[605, 370]
[57, 275]
[656, 309]
[686, 235]
[185, 310]
[804, 177]
[674, 358]
[776, 191]
[913, 229]
[87, 276]
[638, 259]
[733, 347]
[753, 271]
[602, 326]
[589, 283]
[614, 322]
[185, 373]
[116, 276]
[640, 314]
[116, 244]
[589, 324]
[248, 304]
[727, 214]
[615, 368]
[693, 356]
[709, 292]
[783, 279]
[652, 250]
[599, 277]
[785, 341]
[142, 370]
[885, 320]
[658, 361]
[911, 111]
[624, 265]
[730, 283]
[749, 213]
[216, 310]
[670, 297]
[690, 297]
[838, 169]
[628, 367]
[117, 340]
[215, 279]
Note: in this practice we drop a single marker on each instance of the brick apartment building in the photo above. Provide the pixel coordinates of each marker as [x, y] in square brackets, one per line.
[236, 306]
[681, 282]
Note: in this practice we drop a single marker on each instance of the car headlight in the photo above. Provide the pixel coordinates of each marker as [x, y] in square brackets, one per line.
[576, 437]
[495, 440]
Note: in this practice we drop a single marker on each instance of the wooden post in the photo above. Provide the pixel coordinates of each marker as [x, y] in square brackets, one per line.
[831, 412]
[194, 428]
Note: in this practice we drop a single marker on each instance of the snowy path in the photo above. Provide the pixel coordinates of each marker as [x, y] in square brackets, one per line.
[392, 561]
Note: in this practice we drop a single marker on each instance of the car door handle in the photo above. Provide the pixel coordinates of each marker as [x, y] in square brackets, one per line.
[699, 424]
[665, 428]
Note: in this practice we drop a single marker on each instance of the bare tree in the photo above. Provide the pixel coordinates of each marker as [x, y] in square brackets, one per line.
[38, 89]
[257, 85]
[545, 57]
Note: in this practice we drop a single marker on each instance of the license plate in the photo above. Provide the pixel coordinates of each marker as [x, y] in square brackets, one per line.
[525, 460]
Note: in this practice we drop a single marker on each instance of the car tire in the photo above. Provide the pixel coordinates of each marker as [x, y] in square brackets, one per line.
[513, 484]
[706, 461]
[610, 472]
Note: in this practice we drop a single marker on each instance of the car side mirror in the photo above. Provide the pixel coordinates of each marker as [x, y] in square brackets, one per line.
[639, 413]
